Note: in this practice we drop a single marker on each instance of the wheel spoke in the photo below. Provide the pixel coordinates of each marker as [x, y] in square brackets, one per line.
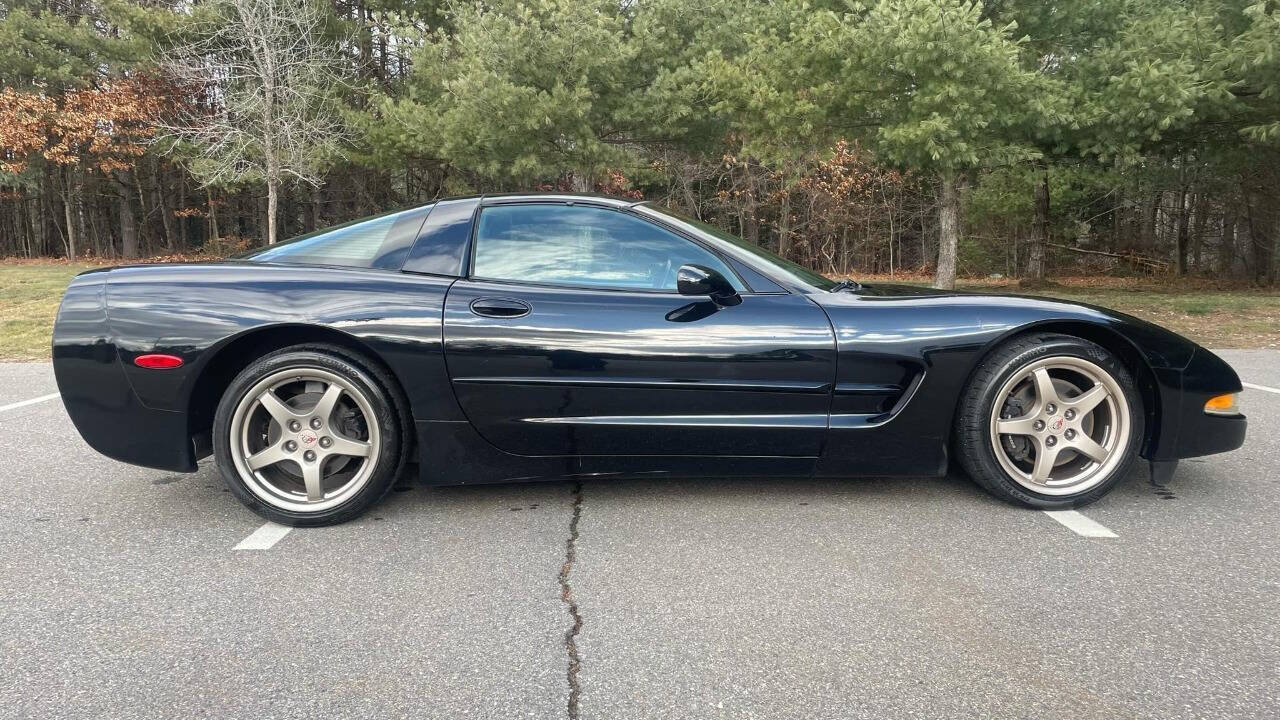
[267, 456]
[1085, 402]
[311, 477]
[276, 408]
[346, 446]
[1045, 392]
[1088, 447]
[324, 408]
[1016, 426]
[1045, 457]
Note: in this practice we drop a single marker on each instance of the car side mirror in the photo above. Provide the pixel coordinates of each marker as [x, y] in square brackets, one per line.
[702, 280]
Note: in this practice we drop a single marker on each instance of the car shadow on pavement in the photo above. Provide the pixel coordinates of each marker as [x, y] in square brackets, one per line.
[409, 496]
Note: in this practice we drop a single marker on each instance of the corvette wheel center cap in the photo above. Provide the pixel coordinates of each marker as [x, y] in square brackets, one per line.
[307, 438]
[1057, 424]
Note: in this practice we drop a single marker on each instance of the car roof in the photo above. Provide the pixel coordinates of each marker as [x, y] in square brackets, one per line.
[593, 198]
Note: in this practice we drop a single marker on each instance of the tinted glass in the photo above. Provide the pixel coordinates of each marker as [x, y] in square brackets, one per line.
[443, 241]
[583, 246]
[783, 266]
[377, 242]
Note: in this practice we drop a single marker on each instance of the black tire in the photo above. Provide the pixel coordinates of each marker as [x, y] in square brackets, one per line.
[973, 440]
[364, 376]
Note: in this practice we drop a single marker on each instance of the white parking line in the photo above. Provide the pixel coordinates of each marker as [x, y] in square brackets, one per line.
[32, 401]
[264, 537]
[1079, 524]
[1261, 387]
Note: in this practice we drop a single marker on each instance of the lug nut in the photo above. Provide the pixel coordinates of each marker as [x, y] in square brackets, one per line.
[1051, 408]
[1069, 414]
[326, 441]
[309, 455]
[315, 423]
[1037, 425]
[1051, 441]
[294, 426]
[1070, 434]
[290, 445]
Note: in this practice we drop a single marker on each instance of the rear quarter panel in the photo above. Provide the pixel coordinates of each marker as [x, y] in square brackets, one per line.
[196, 310]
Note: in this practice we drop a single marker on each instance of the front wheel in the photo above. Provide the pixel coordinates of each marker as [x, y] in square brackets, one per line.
[307, 436]
[1049, 421]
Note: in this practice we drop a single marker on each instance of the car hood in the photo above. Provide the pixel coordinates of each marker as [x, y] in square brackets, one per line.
[897, 290]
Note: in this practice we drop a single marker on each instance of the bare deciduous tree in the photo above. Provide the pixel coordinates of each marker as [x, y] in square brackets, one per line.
[269, 112]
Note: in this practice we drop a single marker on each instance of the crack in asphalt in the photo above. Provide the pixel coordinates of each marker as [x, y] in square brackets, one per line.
[566, 596]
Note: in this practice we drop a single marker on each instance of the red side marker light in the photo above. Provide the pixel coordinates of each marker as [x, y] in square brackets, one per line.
[158, 362]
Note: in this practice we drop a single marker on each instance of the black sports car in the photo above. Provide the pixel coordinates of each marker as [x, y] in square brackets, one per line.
[522, 337]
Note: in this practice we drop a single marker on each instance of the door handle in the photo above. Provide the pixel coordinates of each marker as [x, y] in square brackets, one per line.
[500, 307]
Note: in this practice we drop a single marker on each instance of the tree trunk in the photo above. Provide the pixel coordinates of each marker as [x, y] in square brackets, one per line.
[1199, 218]
[753, 222]
[924, 237]
[892, 232]
[182, 205]
[1119, 218]
[784, 226]
[312, 220]
[71, 228]
[273, 202]
[213, 216]
[87, 229]
[141, 231]
[844, 249]
[948, 232]
[1040, 236]
[1227, 248]
[68, 207]
[128, 225]
[751, 209]
[686, 187]
[37, 226]
[1150, 227]
[158, 204]
[1260, 236]
[581, 182]
[1184, 231]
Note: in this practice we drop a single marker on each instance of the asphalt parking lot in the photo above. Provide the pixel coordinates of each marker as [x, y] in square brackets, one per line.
[124, 594]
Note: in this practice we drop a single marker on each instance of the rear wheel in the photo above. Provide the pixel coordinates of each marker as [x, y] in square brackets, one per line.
[1049, 421]
[307, 436]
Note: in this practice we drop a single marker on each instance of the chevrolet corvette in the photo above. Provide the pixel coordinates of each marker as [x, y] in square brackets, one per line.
[542, 336]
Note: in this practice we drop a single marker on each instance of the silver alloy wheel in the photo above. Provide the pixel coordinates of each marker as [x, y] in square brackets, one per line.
[1060, 425]
[304, 439]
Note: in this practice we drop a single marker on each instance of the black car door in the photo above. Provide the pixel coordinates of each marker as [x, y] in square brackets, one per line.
[569, 338]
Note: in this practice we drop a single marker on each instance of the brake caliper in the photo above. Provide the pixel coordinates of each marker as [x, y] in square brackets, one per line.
[1018, 446]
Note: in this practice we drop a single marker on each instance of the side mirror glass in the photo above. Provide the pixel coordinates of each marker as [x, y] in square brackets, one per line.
[702, 280]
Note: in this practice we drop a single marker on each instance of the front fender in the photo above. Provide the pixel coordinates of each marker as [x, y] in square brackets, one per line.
[944, 337]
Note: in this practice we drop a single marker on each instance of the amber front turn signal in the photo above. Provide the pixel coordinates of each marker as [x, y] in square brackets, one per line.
[1222, 405]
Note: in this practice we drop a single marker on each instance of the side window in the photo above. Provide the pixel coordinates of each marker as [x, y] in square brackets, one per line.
[379, 242]
[583, 246]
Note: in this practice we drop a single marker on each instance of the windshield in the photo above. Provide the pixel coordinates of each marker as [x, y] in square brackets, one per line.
[781, 266]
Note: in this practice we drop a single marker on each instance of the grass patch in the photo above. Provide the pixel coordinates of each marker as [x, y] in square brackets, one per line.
[29, 297]
[1200, 307]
